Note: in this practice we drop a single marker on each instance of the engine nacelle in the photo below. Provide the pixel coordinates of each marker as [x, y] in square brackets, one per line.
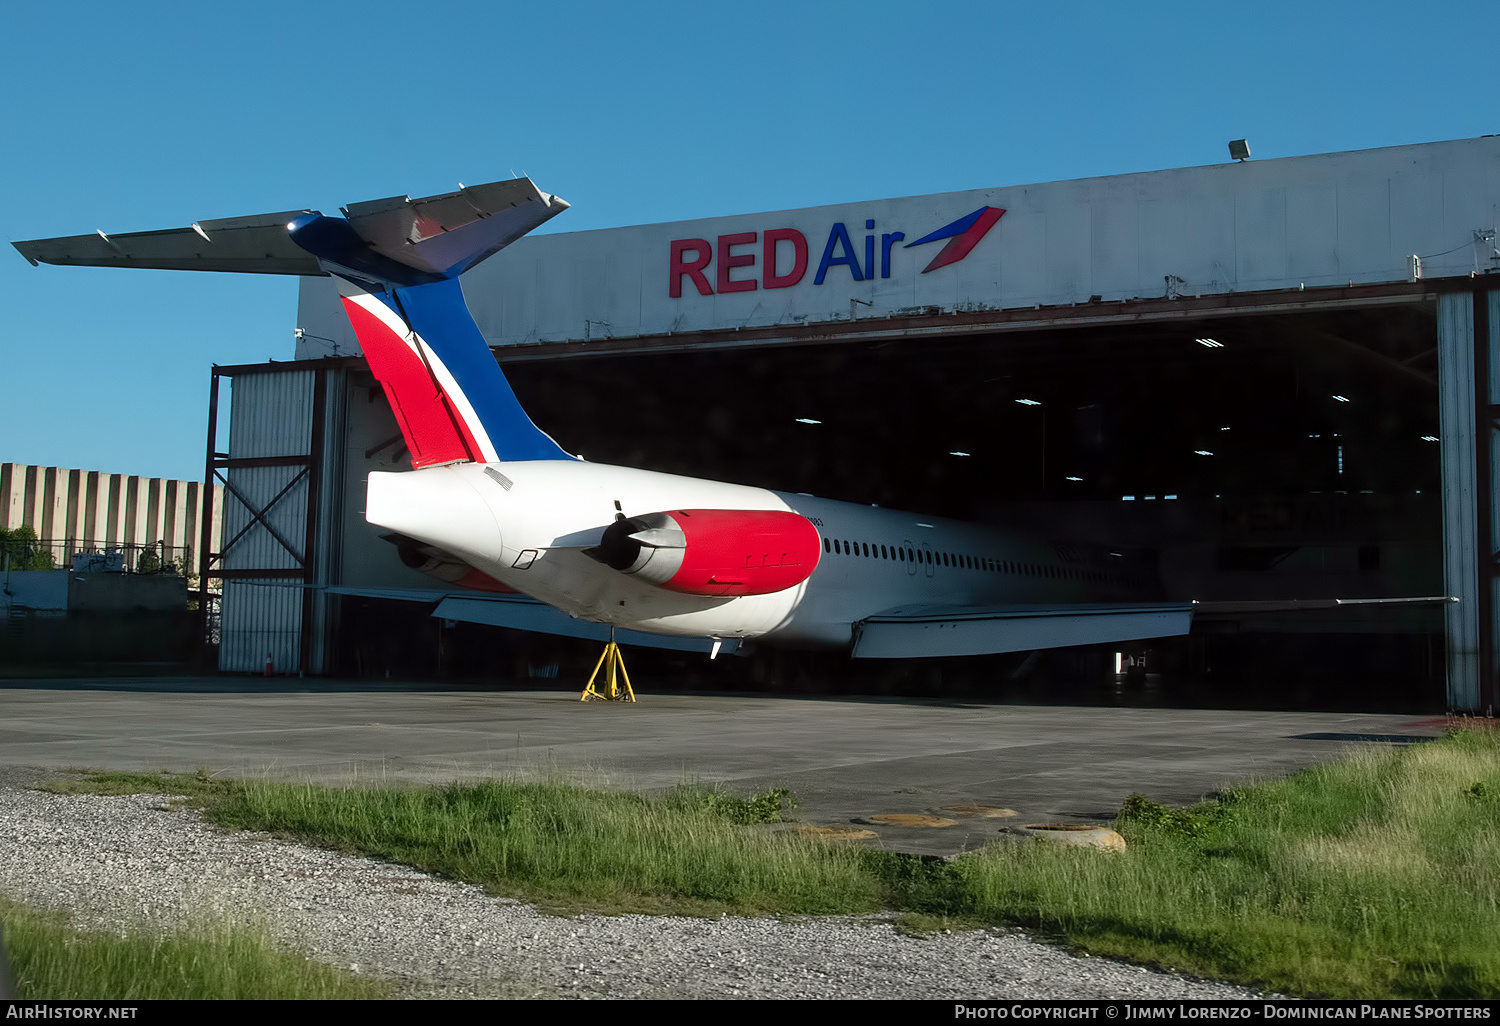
[714, 551]
[434, 562]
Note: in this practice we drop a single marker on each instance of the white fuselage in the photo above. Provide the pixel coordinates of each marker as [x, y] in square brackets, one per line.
[527, 524]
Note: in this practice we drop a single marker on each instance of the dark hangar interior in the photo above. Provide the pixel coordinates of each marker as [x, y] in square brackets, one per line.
[1270, 456]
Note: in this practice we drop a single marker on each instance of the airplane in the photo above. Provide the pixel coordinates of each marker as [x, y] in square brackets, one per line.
[494, 504]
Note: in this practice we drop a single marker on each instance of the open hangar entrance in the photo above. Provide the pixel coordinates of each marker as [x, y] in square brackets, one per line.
[1248, 453]
[1329, 482]
[1253, 451]
[1253, 377]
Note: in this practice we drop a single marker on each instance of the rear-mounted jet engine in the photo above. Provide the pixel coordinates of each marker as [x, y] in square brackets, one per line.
[713, 551]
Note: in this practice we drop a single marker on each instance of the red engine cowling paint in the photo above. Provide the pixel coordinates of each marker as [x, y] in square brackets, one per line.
[724, 552]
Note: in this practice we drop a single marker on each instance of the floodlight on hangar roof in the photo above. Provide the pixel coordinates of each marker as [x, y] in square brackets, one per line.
[1028, 402]
[1239, 149]
[808, 420]
[1342, 398]
[1210, 343]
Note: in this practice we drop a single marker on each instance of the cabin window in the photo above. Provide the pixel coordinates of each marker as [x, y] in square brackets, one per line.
[826, 546]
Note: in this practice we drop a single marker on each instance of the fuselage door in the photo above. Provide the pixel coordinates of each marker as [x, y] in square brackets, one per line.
[911, 566]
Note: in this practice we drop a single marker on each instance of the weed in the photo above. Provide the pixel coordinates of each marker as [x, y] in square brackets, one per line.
[762, 807]
[1148, 813]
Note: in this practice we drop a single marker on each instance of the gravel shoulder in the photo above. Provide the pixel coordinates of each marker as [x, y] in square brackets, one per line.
[117, 862]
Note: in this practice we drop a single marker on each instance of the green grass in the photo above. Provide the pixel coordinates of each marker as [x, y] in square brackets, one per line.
[53, 961]
[1377, 876]
[568, 846]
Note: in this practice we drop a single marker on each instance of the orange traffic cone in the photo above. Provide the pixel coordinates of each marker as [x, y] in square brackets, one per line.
[270, 670]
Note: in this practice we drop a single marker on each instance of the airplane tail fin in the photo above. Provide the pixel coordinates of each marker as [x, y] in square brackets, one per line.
[398, 262]
[450, 398]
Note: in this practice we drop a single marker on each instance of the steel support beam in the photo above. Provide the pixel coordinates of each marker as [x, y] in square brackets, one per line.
[1469, 403]
[206, 516]
[311, 598]
[1487, 371]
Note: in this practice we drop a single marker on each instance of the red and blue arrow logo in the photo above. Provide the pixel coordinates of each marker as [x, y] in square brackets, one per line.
[964, 234]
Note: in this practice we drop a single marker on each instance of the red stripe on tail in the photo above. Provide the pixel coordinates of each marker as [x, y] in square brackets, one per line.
[434, 433]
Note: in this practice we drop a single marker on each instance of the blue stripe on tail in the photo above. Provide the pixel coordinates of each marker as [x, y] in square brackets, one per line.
[438, 314]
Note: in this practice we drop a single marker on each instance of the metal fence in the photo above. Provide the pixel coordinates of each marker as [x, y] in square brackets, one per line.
[85, 555]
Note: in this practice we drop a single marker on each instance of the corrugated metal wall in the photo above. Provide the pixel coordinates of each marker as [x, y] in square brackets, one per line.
[270, 416]
[1471, 519]
[1460, 570]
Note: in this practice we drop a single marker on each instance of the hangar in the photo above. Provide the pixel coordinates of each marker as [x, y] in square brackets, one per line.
[1270, 380]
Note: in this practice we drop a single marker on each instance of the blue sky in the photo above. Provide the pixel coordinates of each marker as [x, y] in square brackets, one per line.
[126, 117]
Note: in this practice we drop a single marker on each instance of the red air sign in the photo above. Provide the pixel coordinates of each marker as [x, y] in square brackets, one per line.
[782, 255]
[781, 248]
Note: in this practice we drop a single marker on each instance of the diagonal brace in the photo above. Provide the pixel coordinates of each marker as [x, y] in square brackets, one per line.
[259, 516]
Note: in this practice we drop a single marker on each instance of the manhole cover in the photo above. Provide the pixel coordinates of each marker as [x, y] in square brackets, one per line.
[834, 833]
[1078, 835]
[909, 819]
[981, 811]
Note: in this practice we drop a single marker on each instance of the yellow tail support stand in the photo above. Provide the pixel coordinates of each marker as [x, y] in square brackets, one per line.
[613, 664]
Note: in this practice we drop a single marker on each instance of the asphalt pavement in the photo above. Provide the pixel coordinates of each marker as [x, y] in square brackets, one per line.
[845, 759]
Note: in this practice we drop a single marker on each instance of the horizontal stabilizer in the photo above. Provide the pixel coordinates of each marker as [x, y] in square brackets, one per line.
[257, 245]
[442, 236]
[934, 631]
[448, 234]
